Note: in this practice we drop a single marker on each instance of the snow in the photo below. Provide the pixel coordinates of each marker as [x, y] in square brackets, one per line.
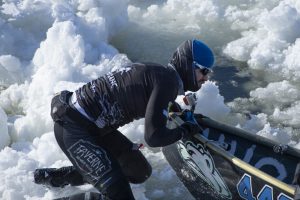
[48, 46]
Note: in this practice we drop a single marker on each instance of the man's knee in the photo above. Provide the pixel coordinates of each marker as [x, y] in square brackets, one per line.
[135, 166]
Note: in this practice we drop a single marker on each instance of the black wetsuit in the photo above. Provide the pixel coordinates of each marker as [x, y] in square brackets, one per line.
[133, 92]
[86, 123]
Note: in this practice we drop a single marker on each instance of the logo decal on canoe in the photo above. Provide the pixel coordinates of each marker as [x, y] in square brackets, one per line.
[202, 163]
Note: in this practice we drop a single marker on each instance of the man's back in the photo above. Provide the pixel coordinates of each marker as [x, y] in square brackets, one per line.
[122, 96]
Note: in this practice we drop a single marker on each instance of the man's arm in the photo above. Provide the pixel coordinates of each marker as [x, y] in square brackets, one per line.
[156, 132]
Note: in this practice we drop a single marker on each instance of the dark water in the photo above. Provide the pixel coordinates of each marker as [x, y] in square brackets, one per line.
[143, 46]
[144, 4]
[231, 83]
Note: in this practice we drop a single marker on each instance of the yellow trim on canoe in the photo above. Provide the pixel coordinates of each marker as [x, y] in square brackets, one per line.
[247, 167]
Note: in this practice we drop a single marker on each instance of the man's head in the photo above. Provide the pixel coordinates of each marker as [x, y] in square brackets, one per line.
[193, 61]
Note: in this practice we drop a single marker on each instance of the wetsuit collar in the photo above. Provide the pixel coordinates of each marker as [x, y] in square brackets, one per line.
[180, 83]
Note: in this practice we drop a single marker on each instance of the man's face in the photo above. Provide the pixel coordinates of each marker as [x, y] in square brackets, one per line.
[200, 78]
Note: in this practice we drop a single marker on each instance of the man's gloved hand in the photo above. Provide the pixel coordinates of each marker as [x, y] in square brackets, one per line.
[187, 115]
[190, 128]
[190, 125]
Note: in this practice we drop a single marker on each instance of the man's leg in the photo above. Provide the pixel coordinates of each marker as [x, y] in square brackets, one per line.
[133, 163]
[58, 177]
[93, 161]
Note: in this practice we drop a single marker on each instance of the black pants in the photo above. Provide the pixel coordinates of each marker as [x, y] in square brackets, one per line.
[104, 157]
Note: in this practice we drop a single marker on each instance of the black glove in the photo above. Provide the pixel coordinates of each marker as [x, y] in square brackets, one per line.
[189, 128]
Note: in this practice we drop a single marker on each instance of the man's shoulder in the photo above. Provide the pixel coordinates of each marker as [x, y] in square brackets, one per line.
[148, 65]
[156, 70]
[151, 68]
[161, 76]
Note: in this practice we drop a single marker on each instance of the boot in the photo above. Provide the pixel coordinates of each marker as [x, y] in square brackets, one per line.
[58, 177]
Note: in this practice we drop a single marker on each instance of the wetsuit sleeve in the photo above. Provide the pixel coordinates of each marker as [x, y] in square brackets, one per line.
[156, 132]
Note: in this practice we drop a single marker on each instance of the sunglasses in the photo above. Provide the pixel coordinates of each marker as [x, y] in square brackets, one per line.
[204, 70]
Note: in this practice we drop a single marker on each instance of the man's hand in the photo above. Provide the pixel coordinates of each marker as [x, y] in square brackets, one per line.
[190, 128]
[188, 116]
[190, 125]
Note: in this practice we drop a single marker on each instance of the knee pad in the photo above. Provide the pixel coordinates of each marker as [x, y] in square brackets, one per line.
[135, 166]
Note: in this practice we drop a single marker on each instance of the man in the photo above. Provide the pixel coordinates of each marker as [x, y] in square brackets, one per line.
[86, 121]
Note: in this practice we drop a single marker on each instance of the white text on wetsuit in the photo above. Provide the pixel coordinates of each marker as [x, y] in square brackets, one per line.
[94, 161]
[111, 80]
